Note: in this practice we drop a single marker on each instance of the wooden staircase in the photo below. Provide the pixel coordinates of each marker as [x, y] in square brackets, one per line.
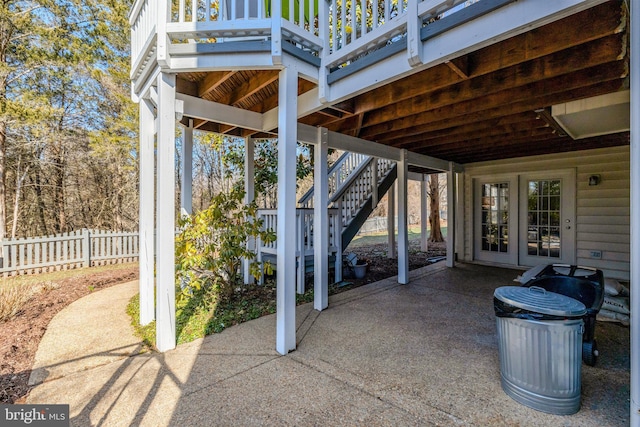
[356, 183]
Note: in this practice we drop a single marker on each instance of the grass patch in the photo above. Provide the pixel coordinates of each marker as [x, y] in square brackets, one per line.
[202, 315]
[377, 238]
[146, 332]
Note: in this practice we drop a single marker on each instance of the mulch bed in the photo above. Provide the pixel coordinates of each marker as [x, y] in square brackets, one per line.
[22, 334]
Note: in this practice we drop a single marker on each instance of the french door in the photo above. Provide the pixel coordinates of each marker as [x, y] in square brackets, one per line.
[547, 218]
[525, 219]
[496, 222]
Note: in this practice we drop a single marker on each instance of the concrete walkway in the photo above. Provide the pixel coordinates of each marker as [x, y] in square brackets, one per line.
[382, 354]
[90, 332]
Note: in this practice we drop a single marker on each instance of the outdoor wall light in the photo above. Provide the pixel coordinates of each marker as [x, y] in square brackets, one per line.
[594, 180]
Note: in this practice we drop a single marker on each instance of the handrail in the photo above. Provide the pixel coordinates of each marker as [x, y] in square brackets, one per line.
[351, 179]
[330, 33]
[335, 183]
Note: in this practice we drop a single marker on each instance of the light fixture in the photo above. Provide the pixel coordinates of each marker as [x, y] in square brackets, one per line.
[594, 180]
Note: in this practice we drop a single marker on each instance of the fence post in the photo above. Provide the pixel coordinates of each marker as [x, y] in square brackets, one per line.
[86, 238]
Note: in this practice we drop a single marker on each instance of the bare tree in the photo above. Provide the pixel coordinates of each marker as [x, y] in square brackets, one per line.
[434, 208]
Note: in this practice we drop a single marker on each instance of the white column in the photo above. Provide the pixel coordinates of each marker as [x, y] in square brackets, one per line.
[403, 229]
[321, 222]
[147, 217]
[424, 216]
[374, 183]
[451, 216]
[249, 188]
[635, 215]
[286, 240]
[391, 225]
[186, 192]
[165, 238]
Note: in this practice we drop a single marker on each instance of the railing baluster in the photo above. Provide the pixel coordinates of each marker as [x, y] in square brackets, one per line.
[363, 17]
[374, 6]
[194, 10]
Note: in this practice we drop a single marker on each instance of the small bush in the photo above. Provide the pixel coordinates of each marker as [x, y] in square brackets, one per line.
[212, 245]
[13, 297]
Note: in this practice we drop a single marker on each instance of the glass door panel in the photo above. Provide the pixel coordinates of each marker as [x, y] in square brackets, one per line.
[496, 202]
[547, 210]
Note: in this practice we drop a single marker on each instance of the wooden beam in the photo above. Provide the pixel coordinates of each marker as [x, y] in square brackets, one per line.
[460, 66]
[212, 111]
[532, 147]
[431, 140]
[448, 127]
[602, 51]
[250, 88]
[213, 80]
[525, 94]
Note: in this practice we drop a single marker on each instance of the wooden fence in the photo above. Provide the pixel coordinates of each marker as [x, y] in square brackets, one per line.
[82, 248]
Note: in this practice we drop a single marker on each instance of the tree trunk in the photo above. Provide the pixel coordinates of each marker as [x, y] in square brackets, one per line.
[58, 192]
[16, 205]
[3, 187]
[434, 209]
[41, 206]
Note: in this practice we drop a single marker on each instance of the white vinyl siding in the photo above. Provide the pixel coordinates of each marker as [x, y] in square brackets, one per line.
[602, 211]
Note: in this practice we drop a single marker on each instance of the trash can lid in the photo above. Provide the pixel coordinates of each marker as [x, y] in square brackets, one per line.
[539, 300]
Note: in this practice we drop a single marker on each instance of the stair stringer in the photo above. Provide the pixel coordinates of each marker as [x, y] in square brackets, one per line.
[350, 231]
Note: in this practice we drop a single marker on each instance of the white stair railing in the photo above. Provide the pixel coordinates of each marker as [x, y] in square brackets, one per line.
[338, 175]
[354, 180]
[360, 189]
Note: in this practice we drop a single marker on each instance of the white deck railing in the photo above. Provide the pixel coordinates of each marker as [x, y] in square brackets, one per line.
[82, 248]
[304, 231]
[304, 239]
[143, 20]
[337, 31]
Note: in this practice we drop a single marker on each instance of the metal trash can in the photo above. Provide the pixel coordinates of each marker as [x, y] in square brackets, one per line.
[540, 347]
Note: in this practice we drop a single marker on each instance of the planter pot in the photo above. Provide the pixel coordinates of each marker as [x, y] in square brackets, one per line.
[360, 270]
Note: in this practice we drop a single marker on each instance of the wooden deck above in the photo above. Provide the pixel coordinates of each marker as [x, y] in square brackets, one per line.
[486, 102]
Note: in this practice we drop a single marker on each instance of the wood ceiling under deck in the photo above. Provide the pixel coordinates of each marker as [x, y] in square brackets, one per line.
[487, 105]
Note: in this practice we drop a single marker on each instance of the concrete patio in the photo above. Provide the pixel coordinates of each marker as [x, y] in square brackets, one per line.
[383, 354]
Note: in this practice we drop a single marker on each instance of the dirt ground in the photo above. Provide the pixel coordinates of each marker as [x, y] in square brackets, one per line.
[22, 334]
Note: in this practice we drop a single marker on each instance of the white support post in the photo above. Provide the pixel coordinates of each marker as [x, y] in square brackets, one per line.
[300, 251]
[391, 223]
[403, 231]
[459, 236]
[186, 192]
[165, 289]
[249, 195]
[286, 241]
[424, 216]
[451, 216]
[146, 220]
[337, 269]
[635, 214]
[374, 183]
[321, 222]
